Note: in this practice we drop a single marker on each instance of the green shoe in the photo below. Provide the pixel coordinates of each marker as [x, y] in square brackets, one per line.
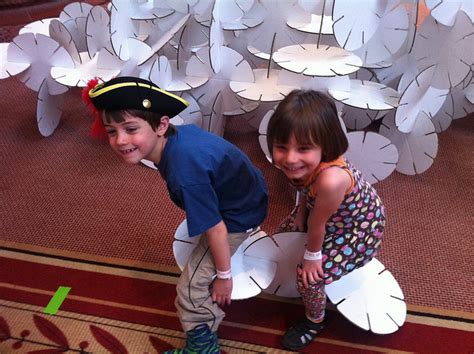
[200, 340]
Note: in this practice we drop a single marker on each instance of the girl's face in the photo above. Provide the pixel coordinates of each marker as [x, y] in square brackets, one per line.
[134, 139]
[295, 160]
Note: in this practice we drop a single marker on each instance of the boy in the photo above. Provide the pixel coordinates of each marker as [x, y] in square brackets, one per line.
[223, 194]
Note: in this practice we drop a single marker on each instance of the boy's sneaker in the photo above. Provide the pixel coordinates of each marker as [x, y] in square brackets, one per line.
[301, 334]
[200, 340]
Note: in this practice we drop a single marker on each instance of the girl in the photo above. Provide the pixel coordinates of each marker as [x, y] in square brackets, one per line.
[340, 211]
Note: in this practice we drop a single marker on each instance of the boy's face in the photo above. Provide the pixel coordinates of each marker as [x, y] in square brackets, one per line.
[134, 139]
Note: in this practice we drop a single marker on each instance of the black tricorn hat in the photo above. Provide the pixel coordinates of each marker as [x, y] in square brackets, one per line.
[123, 93]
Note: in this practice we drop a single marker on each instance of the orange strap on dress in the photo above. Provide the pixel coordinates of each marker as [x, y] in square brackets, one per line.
[339, 162]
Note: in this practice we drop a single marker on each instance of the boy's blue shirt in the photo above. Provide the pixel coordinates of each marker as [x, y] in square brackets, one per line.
[212, 180]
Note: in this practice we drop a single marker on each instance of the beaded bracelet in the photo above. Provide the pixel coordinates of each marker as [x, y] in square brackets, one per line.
[312, 256]
[224, 274]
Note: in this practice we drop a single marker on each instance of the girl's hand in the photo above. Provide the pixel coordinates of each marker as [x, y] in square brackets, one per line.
[311, 272]
[221, 291]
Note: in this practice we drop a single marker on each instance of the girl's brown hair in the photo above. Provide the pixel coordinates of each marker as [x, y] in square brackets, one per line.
[312, 117]
[152, 118]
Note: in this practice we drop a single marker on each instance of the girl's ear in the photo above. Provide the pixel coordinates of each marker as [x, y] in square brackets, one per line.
[163, 126]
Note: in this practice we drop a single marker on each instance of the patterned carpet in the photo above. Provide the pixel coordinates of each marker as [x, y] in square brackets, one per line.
[124, 309]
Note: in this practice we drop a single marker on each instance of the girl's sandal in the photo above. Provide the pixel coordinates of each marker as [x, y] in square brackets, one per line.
[301, 334]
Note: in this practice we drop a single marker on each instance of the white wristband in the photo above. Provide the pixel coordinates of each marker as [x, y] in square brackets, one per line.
[227, 274]
[312, 256]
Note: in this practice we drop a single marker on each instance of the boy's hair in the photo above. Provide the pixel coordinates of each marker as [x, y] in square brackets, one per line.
[153, 118]
[312, 117]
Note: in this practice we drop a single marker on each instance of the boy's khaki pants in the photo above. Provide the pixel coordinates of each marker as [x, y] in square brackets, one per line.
[194, 302]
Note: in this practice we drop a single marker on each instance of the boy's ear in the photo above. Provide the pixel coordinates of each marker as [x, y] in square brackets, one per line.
[163, 126]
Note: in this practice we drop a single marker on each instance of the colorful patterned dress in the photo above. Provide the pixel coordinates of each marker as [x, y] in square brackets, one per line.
[353, 232]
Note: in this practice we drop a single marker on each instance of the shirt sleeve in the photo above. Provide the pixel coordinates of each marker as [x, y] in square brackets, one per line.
[202, 208]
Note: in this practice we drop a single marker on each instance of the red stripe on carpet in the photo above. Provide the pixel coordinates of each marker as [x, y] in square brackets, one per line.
[252, 312]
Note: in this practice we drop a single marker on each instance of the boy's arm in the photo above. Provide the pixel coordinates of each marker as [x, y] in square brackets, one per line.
[217, 238]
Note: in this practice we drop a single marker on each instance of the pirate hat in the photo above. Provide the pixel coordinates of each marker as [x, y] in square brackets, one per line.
[122, 93]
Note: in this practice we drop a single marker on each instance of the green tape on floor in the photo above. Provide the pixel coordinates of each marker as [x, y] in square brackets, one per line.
[57, 300]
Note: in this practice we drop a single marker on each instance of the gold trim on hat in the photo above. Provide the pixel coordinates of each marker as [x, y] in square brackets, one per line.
[100, 89]
[146, 103]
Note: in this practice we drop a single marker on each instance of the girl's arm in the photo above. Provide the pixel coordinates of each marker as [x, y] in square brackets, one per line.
[301, 216]
[217, 238]
[331, 185]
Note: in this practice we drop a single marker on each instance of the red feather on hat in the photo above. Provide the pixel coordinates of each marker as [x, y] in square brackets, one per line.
[97, 131]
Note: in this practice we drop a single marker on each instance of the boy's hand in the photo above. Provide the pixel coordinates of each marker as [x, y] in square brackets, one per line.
[221, 291]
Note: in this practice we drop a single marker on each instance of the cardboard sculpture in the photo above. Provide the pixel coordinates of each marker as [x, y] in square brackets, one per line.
[251, 271]
[232, 57]
[369, 296]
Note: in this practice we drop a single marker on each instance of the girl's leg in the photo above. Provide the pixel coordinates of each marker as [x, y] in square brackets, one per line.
[314, 300]
[302, 333]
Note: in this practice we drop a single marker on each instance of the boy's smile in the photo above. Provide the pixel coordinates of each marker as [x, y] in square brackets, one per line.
[134, 139]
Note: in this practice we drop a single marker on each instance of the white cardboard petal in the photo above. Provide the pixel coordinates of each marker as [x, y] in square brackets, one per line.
[258, 53]
[357, 118]
[452, 63]
[134, 50]
[97, 31]
[234, 67]
[77, 29]
[286, 249]
[8, 68]
[404, 65]
[251, 270]
[42, 53]
[165, 37]
[161, 73]
[262, 138]
[245, 107]
[74, 10]
[273, 32]
[373, 154]
[417, 149]
[60, 34]
[445, 11]
[121, 24]
[192, 114]
[369, 95]
[443, 118]
[370, 297]
[40, 26]
[151, 165]
[356, 21]
[419, 96]
[263, 89]
[390, 36]
[469, 93]
[48, 110]
[309, 59]
[180, 81]
[319, 24]
[81, 74]
[215, 121]
[316, 6]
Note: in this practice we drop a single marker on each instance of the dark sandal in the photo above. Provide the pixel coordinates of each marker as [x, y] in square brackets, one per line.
[301, 334]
